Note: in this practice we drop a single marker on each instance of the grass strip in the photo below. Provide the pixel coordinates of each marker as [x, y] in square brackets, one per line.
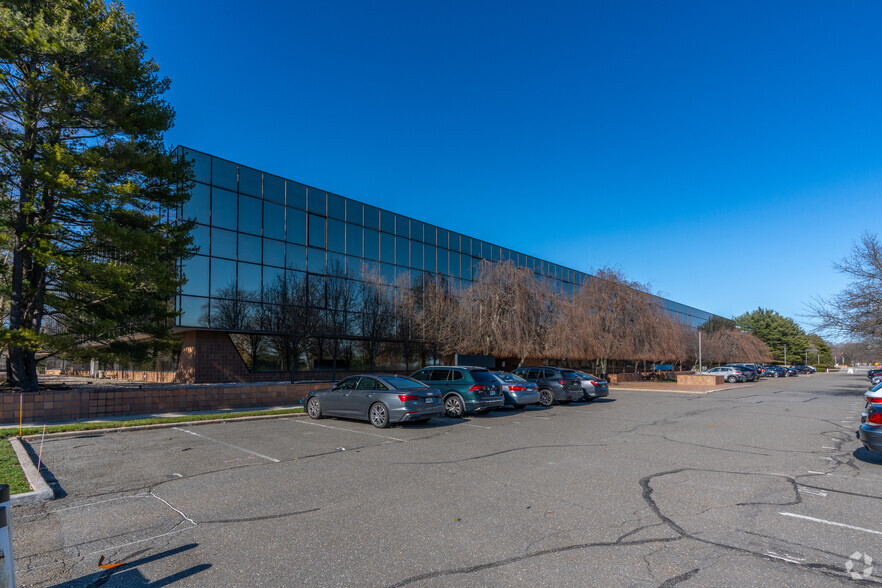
[10, 472]
[12, 432]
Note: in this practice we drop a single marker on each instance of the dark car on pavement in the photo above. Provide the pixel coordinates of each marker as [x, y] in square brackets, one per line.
[750, 373]
[465, 389]
[592, 386]
[555, 384]
[774, 371]
[872, 373]
[382, 400]
[870, 433]
[518, 392]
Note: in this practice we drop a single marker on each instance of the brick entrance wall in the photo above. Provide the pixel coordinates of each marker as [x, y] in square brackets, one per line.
[71, 405]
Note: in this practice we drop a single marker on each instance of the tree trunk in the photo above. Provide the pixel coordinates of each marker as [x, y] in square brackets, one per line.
[21, 370]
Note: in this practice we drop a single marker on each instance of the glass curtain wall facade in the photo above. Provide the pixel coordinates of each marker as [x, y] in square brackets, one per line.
[253, 226]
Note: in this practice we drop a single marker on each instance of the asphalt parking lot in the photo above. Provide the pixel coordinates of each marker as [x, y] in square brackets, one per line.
[764, 484]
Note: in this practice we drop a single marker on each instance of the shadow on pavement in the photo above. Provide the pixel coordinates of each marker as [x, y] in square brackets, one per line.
[865, 455]
[126, 575]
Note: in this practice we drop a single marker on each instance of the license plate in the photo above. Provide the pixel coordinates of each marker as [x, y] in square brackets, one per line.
[430, 400]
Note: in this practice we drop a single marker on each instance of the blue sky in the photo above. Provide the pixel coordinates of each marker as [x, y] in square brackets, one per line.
[725, 153]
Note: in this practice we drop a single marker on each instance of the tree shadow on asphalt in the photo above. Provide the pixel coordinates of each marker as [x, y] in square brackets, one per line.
[47, 474]
[125, 574]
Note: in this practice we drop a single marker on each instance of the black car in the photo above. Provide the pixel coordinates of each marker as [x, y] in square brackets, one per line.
[555, 384]
[775, 371]
[750, 373]
[872, 373]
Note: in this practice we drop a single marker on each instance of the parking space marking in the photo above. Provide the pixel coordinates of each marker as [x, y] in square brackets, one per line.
[230, 445]
[477, 426]
[832, 523]
[812, 491]
[788, 558]
[303, 422]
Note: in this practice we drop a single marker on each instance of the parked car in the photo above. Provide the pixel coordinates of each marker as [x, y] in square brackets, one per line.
[791, 371]
[749, 372]
[731, 374]
[872, 373]
[555, 384]
[592, 386]
[381, 400]
[870, 433]
[466, 389]
[775, 371]
[518, 392]
[802, 368]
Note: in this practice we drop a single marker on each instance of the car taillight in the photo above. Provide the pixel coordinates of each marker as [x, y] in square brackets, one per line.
[476, 388]
[875, 419]
[406, 397]
[562, 382]
[516, 388]
[874, 399]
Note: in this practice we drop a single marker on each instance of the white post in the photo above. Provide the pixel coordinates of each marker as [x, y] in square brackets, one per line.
[7, 567]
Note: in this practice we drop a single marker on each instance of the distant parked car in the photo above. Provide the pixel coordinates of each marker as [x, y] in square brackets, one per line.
[872, 373]
[731, 374]
[750, 373]
[775, 371]
[870, 433]
[802, 368]
[465, 389]
[518, 392]
[382, 400]
[555, 384]
[592, 386]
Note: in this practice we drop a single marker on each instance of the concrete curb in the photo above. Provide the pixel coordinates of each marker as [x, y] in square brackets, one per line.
[42, 492]
[112, 429]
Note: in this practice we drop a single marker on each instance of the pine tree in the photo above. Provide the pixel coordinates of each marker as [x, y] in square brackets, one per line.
[88, 189]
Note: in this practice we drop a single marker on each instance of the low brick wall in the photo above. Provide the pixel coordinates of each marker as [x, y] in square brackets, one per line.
[700, 380]
[623, 377]
[71, 405]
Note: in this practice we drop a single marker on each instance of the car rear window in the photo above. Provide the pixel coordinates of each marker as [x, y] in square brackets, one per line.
[569, 375]
[482, 376]
[506, 377]
[402, 383]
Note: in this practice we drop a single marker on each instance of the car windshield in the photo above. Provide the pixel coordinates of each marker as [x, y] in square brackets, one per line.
[402, 383]
[506, 377]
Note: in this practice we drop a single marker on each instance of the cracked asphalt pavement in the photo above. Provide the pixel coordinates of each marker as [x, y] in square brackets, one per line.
[760, 485]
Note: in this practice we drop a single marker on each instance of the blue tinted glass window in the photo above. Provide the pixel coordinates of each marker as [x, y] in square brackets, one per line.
[387, 248]
[416, 230]
[194, 312]
[353, 266]
[198, 207]
[317, 201]
[316, 231]
[336, 207]
[296, 231]
[371, 244]
[316, 260]
[273, 253]
[200, 164]
[416, 255]
[387, 273]
[476, 248]
[271, 276]
[429, 256]
[224, 174]
[402, 251]
[273, 188]
[249, 280]
[354, 236]
[295, 195]
[354, 212]
[371, 217]
[296, 257]
[223, 208]
[201, 239]
[456, 242]
[336, 235]
[387, 222]
[443, 238]
[429, 234]
[402, 275]
[250, 214]
[402, 226]
[336, 263]
[223, 243]
[442, 261]
[196, 272]
[249, 248]
[273, 220]
[223, 276]
[250, 182]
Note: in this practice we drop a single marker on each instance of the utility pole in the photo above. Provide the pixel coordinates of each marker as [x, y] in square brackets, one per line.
[699, 351]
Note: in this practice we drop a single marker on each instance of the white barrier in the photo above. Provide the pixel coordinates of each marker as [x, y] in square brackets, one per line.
[7, 564]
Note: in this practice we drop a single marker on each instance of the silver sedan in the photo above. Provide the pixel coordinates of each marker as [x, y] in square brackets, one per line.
[381, 400]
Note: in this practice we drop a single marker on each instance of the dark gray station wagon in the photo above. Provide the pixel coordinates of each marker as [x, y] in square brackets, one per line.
[465, 389]
[555, 384]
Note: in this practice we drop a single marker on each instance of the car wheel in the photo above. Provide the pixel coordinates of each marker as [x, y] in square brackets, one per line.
[546, 398]
[731, 379]
[454, 406]
[314, 408]
[379, 415]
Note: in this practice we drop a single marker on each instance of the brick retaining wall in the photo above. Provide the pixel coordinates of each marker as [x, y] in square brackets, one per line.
[71, 405]
[700, 380]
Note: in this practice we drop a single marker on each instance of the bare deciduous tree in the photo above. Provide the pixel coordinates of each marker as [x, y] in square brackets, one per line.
[291, 316]
[376, 319]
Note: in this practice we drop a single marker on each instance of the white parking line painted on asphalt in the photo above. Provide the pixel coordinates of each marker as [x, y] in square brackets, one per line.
[476, 426]
[230, 445]
[785, 557]
[812, 491]
[303, 422]
[828, 447]
[832, 523]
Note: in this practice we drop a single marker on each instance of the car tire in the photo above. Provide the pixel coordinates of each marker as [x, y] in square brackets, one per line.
[546, 398]
[314, 408]
[731, 379]
[379, 415]
[454, 406]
